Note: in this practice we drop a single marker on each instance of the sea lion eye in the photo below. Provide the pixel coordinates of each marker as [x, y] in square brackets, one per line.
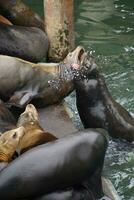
[14, 135]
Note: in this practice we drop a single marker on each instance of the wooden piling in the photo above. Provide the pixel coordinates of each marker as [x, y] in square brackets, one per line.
[59, 27]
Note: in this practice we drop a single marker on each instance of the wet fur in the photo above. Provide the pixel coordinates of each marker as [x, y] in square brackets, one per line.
[97, 108]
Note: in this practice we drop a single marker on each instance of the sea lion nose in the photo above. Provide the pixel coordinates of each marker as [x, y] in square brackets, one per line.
[29, 107]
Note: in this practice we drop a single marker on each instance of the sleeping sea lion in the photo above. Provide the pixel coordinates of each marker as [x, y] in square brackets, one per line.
[34, 134]
[57, 165]
[20, 14]
[42, 84]
[4, 20]
[97, 108]
[7, 120]
[9, 142]
[28, 43]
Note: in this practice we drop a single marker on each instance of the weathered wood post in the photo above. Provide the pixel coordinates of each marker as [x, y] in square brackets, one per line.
[59, 27]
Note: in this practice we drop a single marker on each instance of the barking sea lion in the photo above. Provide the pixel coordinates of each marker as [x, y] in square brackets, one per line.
[97, 108]
[34, 134]
[42, 84]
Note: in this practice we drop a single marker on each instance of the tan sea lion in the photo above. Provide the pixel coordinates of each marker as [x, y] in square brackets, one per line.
[9, 142]
[41, 84]
[34, 134]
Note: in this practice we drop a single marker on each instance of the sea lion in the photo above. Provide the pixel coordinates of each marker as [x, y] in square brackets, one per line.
[75, 193]
[4, 20]
[97, 108]
[34, 134]
[66, 162]
[42, 84]
[20, 14]
[28, 43]
[7, 120]
[9, 142]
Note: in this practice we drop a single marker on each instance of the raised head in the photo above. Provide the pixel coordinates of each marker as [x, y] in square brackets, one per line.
[81, 63]
[9, 142]
[76, 57]
[30, 115]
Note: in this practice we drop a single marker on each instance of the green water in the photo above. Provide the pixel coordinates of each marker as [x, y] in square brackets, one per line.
[106, 29]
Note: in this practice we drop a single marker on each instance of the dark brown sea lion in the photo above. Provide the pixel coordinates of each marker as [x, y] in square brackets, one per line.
[97, 108]
[7, 120]
[9, 142]
[20, 14]
[22, 82]
[4, 20]
[28, 43]
[69, 161]
[34, 134]
[75, 193]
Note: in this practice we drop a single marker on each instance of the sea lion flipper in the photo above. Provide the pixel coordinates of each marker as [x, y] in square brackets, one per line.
[94, 184]
[21, 98]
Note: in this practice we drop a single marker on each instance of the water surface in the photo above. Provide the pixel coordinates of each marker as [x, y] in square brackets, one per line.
[106, 29]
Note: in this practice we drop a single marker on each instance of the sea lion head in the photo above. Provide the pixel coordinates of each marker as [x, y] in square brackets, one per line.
[76, 57]
[30, 115]
[73, 63]
[9, 142]
[86, 70]
[80, 62]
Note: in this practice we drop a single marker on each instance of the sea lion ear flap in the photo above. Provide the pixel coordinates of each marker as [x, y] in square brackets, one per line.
[0, 134]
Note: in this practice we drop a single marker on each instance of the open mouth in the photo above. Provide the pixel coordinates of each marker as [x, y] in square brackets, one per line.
[80, 54]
